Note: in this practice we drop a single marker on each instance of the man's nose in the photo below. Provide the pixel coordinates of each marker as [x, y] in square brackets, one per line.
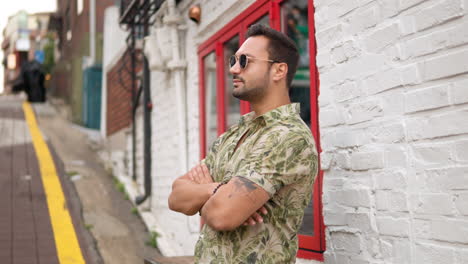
[235, 69]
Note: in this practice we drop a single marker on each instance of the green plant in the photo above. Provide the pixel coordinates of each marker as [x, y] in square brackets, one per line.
[152, 242]
[49, 50]
[135, 211]
[119, 186]
[71, 173]
[88, 226]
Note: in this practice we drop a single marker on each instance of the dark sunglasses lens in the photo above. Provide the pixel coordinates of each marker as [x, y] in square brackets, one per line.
[232, 60]
[243, 61]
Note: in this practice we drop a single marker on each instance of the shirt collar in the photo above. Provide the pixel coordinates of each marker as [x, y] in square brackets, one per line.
[272, 116]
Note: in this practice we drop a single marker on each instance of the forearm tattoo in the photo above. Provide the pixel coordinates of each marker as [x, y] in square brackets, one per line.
[243, 186]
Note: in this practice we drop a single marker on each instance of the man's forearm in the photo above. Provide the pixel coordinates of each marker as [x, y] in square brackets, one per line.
[188, 197]
[233, 204]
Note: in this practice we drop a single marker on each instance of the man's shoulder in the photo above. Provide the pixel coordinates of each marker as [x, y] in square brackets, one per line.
[291, 138]
[291, 128]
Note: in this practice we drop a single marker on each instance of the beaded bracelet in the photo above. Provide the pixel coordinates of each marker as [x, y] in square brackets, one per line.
[214, 191]
[217, 187]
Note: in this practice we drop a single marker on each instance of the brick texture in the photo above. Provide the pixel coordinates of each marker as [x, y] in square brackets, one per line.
[119, 97]
[393, 120]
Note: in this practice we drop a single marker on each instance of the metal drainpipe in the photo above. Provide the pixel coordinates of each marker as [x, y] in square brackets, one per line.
[92, 31]
[148, 106]
[134, 101]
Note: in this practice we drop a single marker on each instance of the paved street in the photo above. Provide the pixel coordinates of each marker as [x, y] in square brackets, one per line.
[104, 222]
[37, 224]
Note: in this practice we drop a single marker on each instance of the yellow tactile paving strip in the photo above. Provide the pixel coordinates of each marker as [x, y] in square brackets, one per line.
[66, 241]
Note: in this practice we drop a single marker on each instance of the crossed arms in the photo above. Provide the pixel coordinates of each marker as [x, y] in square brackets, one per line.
[239, 202]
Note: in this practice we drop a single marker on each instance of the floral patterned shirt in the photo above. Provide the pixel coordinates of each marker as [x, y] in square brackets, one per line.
[279, 155]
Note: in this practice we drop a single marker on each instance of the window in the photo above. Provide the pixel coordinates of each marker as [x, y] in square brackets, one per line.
[294, 23]
[295, 18]
[67, 26]
[79, 7]
[209, 63]
[233, 105]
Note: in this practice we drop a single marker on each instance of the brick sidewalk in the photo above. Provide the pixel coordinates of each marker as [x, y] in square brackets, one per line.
[26, 234]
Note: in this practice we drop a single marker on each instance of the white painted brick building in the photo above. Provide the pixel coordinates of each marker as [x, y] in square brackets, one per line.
[393, 122]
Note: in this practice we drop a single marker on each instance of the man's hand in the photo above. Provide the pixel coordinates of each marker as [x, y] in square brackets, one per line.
[191, 191]
[256, 217]
[200, 174]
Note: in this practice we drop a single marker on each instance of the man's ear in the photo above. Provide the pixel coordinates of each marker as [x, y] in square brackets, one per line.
[280, 71]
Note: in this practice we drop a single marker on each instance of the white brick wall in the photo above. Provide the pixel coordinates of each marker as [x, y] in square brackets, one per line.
[166, 163]
[393, 119]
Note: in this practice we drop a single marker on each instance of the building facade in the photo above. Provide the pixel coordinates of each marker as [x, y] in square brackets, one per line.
[383, 86]
[80, 46]
[25, 38]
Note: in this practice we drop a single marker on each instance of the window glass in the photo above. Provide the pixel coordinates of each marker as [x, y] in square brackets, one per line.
[210, 99]
[295, 24]
[264, 20]
[232, 103]
[79, 8]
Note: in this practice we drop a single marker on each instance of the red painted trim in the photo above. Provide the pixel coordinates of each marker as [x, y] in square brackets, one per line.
[314, 91]
[207, 50]
[201, 96]
[244, 107]
[304, 254]
[323, 245]
[230, 34]
[317, 242]
[275, 14]
[314, 72]
[220, 91]
[202, 103]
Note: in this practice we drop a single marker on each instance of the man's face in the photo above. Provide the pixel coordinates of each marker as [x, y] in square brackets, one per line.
[251, 83]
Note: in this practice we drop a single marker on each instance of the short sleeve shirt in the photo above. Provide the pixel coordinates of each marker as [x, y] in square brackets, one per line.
[279, 155]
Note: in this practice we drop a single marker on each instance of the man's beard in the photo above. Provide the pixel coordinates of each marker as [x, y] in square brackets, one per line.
[247, 94]
[251, 94]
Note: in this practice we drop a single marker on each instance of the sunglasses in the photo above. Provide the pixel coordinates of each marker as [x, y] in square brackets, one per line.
[244, 60]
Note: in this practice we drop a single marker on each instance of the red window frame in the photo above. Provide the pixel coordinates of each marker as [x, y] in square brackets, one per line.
[310, 247]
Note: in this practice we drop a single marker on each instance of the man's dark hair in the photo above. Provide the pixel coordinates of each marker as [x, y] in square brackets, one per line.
[280, 48]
